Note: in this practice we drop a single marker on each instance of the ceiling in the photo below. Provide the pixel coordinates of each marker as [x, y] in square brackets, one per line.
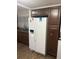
[24, 5]
[37, 3]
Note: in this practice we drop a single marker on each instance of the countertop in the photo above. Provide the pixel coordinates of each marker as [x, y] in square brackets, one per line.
[22, 30]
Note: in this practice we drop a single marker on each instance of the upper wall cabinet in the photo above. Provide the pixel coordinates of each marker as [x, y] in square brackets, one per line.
[40, 12]
[54, 16]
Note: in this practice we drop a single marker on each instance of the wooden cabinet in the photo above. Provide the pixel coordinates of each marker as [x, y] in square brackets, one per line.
[40, 12]
[53, 16]
[52, 40]
[23, 37]
[53, 31]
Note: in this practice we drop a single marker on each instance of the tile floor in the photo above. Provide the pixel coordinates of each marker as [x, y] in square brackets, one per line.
[23, 52]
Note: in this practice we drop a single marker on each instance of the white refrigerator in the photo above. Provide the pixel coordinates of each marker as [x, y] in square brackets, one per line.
[37, 34]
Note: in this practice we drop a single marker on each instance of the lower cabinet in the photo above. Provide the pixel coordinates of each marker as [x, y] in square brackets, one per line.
[52, 41]
[23, 37]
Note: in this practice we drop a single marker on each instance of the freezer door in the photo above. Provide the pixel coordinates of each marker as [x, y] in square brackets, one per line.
[31, 34]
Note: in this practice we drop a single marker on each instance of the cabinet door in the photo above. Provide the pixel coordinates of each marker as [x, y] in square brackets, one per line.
[18, 36]
[52, 40]
[40, 12]
[24, 38]
[53, 16]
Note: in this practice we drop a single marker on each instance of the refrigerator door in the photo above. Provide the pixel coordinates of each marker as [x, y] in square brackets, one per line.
[31, 34]
[40, 35]
[31, 41]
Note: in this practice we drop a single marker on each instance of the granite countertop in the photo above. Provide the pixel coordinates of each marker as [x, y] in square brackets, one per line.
[22, 30]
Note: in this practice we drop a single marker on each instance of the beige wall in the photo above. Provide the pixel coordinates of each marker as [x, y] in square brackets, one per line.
[22, 22]
[22, 15]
